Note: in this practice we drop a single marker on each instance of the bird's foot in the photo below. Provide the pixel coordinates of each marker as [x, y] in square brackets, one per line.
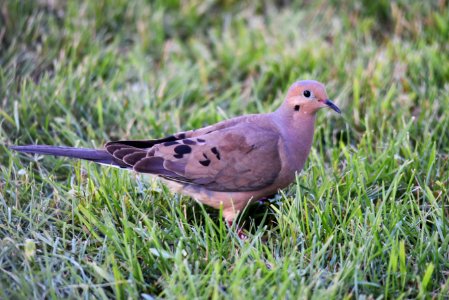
[239, 230]
[241, 234]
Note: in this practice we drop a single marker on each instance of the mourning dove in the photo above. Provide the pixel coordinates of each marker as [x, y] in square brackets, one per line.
[228, 164]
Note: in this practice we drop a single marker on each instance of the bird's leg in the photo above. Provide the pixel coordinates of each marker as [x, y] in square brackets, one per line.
[230, 218]
[239, 232]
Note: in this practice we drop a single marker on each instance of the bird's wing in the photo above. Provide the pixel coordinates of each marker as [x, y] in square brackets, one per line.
[229, 156]
[147, 144]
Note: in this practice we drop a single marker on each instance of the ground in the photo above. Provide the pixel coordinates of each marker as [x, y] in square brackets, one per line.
[367, 217]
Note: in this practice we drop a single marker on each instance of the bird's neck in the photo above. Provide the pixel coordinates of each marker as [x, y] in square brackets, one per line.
[299, 124]
[297, 129]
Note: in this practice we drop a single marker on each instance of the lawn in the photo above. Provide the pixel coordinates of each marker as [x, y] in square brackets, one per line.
[367, 217]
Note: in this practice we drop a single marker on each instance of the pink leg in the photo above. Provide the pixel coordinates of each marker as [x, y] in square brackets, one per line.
[240, 232]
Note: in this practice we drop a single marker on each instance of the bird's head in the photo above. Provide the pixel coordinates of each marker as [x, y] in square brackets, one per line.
[307, 97]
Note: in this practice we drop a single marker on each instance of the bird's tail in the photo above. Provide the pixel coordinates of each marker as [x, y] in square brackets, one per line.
[95, 155]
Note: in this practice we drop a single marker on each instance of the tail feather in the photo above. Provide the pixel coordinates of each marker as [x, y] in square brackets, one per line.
[95, 155]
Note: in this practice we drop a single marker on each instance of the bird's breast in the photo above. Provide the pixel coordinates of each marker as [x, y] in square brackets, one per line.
[297, 150]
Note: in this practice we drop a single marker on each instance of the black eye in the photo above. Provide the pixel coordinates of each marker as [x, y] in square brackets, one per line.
[306, 93]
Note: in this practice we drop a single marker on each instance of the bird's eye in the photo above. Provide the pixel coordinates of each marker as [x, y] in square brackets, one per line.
[306, 93]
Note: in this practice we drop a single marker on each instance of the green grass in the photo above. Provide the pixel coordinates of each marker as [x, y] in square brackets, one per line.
[367, 217]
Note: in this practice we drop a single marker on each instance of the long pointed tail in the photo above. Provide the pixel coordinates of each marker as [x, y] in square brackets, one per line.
[95, 155]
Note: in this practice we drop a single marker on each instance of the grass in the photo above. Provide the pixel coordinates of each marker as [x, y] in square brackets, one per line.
[367, 217]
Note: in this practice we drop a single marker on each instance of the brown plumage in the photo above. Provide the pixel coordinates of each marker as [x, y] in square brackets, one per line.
[228, 164]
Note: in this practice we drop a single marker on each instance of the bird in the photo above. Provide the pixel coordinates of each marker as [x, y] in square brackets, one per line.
[227, 165]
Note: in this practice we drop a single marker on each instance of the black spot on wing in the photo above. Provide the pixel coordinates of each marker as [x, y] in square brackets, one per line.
[183, 149]
[188, 142]
[216, 152]
[181, 136]
[170, 143]
[205, 162]
[201, 140]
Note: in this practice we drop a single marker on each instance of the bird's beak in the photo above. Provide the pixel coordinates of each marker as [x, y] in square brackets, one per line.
[332, 105]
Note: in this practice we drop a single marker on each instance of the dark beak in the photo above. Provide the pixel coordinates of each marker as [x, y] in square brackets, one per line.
[332, 105]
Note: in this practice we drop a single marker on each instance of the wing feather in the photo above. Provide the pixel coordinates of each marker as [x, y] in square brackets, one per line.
[227, 156]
